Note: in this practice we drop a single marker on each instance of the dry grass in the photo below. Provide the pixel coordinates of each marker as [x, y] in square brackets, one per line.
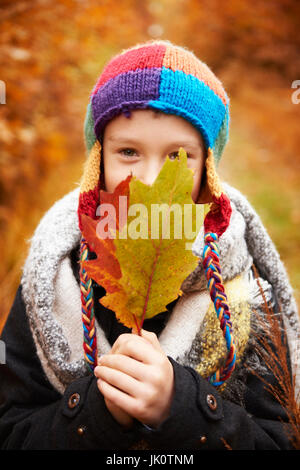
[273, 350]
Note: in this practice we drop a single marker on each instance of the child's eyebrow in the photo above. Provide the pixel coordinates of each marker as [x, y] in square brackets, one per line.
[188, 144]
[122, 139]
[132, 141]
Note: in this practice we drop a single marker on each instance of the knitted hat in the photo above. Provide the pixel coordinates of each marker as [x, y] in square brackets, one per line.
[160, 76]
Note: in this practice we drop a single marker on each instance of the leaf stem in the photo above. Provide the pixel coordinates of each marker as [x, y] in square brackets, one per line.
[137, 325]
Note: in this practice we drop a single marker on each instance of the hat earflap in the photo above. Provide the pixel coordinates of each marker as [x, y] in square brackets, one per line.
[215, 224]
[88, 203]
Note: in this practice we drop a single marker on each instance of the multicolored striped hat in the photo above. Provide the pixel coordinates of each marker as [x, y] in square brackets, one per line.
[161, 76]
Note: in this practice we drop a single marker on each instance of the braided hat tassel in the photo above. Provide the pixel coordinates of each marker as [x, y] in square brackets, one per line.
[215, 224]
[87, 308]
[88, 203]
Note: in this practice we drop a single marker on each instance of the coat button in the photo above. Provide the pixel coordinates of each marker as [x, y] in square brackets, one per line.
[81, 430]
[74, 400]
[212, 402]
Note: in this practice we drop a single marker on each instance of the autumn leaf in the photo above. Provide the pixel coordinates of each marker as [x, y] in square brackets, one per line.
[120, 194]
[105, 269]
[149, 255]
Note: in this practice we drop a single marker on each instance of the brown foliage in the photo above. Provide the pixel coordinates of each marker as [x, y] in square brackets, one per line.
[253, 34]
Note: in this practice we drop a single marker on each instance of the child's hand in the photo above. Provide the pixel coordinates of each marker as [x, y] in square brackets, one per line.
[121, 416]
[137, 377]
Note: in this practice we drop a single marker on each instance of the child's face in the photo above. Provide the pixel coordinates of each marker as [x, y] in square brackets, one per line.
[139, 145]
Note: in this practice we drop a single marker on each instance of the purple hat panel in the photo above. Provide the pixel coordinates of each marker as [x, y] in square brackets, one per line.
[127, 91]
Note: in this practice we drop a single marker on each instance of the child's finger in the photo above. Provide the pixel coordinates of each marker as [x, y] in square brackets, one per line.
[152, 338]
[122, 381]
[149, 336]
[129, 366]
[116, 396]
[136, 347]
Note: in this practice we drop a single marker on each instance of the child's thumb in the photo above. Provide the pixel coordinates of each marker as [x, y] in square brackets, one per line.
[152, 338]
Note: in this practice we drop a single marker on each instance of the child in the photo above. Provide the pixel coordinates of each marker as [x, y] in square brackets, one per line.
[178, 385]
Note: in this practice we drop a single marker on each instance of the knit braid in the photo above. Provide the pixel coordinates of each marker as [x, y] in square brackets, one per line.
[87, 308]
[217, 293]
[213, 179]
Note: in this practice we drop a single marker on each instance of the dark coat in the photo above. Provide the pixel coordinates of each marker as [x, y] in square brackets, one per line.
[33, 415]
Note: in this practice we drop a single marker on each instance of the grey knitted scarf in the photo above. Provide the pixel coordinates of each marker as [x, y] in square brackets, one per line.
[52, 295]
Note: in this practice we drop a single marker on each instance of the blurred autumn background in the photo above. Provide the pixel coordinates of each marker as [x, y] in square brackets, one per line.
[52, 52]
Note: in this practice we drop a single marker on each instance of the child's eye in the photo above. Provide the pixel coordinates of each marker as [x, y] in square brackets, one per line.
[127, 152]
[175, 155]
